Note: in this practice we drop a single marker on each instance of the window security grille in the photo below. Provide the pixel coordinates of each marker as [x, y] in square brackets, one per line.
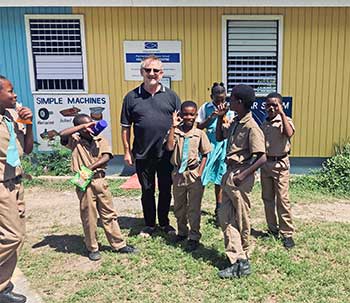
[57, 54]
[252, 54]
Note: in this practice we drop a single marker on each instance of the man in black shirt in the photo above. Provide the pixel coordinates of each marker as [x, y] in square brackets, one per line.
[149, 109]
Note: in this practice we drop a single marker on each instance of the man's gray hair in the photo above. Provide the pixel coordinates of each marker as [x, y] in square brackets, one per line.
[151, 58]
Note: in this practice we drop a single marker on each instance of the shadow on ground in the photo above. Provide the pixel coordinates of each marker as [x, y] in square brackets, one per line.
[64, 243]
[132, 223]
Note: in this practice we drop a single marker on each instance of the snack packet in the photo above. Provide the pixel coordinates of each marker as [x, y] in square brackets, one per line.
[82, 178]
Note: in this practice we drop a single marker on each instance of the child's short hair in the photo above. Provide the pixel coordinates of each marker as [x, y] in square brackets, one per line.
[2, 78]
[218, 88]
[188, 104]
[245, 93]
[275, 95]
[77, 120]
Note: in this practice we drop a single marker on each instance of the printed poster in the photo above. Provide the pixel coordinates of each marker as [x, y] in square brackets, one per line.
[169, 52]
[54, 113]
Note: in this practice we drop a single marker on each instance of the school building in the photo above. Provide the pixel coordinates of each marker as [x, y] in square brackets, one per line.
[76, 48]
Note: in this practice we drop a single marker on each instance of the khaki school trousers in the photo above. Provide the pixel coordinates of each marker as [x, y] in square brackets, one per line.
[275, 186]
[97, 199]
[187, 208]
[234, 215]
[12, 227]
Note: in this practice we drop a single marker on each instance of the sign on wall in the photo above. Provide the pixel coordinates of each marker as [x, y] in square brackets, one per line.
[56, 112]
[169, 52]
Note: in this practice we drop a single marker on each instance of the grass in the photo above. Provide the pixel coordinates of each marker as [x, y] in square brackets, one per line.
[65, 185]
[301, 189]
[315, 271]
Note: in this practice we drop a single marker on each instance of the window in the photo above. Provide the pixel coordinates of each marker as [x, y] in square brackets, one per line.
[252, 52]
[56, 50]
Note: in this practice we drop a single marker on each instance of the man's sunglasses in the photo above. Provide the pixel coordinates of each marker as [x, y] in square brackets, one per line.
[148, 70]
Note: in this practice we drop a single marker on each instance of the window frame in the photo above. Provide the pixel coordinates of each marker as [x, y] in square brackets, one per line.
[278, 18]
[29, 17]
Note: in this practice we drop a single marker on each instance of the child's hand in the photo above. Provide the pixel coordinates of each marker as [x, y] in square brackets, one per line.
[238, 179]
[176, 118]
[213, 114]
[279, 108]
[221, 110]
[24, 113]
[88, 126]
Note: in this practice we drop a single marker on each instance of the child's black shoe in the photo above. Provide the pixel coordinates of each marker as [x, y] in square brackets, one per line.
[94, 255]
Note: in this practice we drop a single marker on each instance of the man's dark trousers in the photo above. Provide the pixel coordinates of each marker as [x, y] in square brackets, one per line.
[146, 170]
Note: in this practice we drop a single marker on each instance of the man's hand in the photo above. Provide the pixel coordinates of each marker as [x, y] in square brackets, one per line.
[129, 159]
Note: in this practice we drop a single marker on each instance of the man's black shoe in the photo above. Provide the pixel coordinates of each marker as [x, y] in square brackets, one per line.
[179, 238]
[94, 255]
[274, 234]
[168, 229]
[8, 296]
[192, 245]
[288, 243]
[147, 231]
[243, 268]
[127, 249]
[229, 272]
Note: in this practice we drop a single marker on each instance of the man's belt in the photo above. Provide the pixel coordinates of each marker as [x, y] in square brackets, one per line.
[276, 158]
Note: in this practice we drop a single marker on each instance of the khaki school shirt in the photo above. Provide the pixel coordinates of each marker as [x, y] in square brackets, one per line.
[8, 172]
[277, 143]
[86, 152]
[198, 145]
[245, 138]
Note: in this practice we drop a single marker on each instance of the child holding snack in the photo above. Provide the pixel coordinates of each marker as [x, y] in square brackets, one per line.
[92, 153]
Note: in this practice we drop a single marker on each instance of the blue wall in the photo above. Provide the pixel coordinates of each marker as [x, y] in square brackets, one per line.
[13, 47]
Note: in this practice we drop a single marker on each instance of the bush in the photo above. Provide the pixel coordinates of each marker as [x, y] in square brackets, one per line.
[335, 173]
[54, 163]
[304, 183]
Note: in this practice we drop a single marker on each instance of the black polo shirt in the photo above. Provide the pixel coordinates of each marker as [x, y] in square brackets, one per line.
[151, 117]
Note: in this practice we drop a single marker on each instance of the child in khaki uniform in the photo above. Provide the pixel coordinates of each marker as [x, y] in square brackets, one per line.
[94, 152]
[15, 140]
[187, 142]
[278, 129]
[245, 140]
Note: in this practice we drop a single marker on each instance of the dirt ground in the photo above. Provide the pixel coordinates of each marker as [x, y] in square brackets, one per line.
[44, 208]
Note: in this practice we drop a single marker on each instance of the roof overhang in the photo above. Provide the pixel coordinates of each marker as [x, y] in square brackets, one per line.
[177, 3]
